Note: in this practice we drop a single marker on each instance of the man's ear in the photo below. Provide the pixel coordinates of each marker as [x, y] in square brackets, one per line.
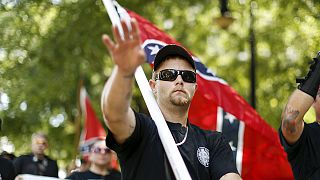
[152, 84]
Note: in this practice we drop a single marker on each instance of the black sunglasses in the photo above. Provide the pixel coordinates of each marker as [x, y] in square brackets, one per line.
[172, 74]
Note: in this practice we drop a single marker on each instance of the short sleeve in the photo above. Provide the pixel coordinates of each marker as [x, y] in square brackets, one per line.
[221, 158]
[144, 125]
[292, 149]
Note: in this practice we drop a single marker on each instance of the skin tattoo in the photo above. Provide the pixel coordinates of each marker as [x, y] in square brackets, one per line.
[288, 120]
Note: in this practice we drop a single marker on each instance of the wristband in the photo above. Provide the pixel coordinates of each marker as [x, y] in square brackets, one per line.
[310, 84]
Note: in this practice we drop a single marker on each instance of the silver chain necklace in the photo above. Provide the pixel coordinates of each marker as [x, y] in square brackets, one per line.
[184, 139]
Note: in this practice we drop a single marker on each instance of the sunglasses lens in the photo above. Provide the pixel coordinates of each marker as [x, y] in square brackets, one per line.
[168, 75]
[101, 150]
[189, 76]
[172, 74]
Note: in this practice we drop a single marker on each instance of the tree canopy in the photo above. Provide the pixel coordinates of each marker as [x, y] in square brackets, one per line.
[48, 47]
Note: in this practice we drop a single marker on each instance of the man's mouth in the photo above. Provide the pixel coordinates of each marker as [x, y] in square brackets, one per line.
[179, 91]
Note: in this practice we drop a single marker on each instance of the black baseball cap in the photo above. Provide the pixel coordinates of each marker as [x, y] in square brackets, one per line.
[172, 50]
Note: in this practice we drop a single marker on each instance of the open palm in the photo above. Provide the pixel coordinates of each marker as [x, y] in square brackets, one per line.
[126, 52]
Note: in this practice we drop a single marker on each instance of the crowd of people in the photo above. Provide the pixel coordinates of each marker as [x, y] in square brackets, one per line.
[37, 163]
[134, 136]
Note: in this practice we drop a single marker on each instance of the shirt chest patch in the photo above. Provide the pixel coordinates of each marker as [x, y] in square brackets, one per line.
[203, 156]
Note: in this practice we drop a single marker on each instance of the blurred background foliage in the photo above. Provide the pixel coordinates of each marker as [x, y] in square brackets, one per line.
[48, 47]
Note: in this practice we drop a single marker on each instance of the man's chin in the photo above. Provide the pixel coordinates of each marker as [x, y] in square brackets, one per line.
[180, 102]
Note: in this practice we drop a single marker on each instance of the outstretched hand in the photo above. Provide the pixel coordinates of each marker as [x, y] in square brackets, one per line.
[126, 51]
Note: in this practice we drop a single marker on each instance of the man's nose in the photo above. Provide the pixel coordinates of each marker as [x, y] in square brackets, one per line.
[179, 79]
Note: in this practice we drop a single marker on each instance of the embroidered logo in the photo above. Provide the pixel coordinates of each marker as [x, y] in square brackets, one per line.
[203, 156]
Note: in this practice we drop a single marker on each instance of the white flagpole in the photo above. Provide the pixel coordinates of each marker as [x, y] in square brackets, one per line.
[177, 164]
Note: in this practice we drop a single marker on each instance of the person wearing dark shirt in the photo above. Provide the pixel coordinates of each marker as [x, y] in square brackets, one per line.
[7, 171]
[134, 136]
[100, 158]
[301, 140]
[37, 163]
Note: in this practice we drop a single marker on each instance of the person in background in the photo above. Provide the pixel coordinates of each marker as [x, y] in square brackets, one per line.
[7, 171]
[300, 140]
[37, 163]
[100, 159]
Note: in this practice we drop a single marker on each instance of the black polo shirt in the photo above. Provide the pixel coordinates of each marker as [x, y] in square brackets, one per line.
[206, 154]
[304, 155]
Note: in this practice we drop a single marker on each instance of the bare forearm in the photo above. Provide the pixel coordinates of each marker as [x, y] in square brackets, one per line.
[292, 116]
[127, 55]
[116, 96]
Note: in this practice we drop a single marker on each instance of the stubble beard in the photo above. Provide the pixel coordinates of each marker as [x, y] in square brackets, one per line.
[180, 100]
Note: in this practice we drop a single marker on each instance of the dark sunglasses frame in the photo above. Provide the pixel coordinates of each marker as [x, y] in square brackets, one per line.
[172, 74]
[99, 150]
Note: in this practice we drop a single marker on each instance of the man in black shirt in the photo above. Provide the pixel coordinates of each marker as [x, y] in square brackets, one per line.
[37, 163]
[301, 141]
[134, 136]
[100, 158]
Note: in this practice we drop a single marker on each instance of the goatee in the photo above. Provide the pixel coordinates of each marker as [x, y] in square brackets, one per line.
[180, 101]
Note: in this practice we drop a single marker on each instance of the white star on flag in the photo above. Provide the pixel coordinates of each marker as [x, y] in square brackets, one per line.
[154, 49]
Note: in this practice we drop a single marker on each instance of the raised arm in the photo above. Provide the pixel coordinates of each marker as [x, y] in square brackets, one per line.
[299, 103]
[127, 55]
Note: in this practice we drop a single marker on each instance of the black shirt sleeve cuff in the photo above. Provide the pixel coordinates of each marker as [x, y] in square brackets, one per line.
[129, 142]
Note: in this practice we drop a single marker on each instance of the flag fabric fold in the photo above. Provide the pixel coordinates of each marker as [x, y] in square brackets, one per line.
[217, 106]
[92, 128]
